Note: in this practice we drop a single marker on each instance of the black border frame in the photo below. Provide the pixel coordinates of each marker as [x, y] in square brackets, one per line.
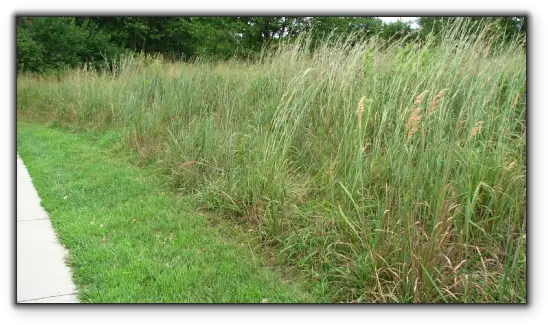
[265, 12]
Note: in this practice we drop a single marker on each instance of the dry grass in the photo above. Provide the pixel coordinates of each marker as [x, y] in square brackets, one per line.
[414, 122]
[436, 102]
[360, 112]
[476, 129]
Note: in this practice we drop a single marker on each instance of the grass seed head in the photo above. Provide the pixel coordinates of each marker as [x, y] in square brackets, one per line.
[476, 129]
[435, 103]
[188, 163]
[516, 100]
[360, 112]
[418, 99]
[414, 122]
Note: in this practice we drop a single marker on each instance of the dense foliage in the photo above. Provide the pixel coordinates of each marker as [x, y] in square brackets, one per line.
[54, 43]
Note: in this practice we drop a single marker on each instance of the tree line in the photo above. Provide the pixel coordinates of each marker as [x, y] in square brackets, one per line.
[55, 43]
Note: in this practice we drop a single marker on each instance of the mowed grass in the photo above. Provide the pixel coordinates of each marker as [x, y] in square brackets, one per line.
[386, 172]
[133, 240]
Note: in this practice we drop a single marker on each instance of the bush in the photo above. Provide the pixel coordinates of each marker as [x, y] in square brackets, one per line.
[30, 54]
[56, 43]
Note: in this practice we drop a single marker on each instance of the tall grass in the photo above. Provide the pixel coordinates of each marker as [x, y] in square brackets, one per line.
[390, 172]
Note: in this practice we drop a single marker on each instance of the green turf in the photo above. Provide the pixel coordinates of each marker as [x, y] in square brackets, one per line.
[130, 238]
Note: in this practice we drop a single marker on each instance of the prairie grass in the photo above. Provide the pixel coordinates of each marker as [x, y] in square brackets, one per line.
[390, 172]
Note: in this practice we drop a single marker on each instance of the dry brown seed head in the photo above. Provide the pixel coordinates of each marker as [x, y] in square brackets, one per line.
[436, 101]
[360, 111]
[476, 129]
[418, 99]
[516, 100]
[414, 122]
[189, 163]
[510, 166]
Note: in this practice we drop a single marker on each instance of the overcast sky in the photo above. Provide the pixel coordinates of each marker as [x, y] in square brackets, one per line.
[393, 19]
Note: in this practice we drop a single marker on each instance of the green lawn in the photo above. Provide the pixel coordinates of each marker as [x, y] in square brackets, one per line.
[131, 239]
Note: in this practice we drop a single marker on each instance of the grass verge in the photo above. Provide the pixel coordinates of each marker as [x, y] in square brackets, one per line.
[130, 238]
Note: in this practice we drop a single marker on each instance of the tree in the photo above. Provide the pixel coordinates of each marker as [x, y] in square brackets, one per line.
[395, 31]
[503, 28]
[54, 43]
[30, 53]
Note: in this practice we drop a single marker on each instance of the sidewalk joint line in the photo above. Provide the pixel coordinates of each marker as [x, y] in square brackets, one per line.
[65, 294]
[33, 219]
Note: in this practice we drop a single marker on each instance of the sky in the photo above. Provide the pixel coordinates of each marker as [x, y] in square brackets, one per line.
[393, 19]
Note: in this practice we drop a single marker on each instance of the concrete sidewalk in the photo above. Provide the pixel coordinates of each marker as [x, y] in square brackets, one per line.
[42, 275]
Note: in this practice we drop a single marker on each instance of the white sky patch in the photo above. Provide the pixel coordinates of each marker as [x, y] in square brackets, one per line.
[394, 19]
